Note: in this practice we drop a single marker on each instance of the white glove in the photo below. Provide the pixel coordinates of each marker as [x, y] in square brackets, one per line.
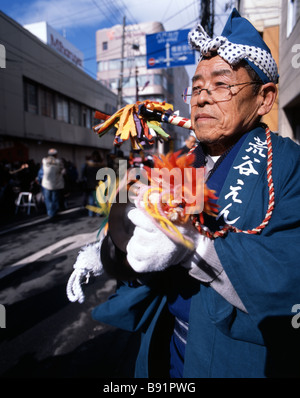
[87, 263]
[150, 249]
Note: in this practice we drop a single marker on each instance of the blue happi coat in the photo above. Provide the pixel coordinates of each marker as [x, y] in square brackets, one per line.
[264, 269]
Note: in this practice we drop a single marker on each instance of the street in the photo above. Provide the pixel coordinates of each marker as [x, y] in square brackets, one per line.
[45, 334]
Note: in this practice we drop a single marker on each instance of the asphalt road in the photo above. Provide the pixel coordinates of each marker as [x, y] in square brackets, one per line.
[46, 336]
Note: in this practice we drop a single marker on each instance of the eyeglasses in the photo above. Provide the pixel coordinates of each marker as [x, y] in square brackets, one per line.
[217, 94]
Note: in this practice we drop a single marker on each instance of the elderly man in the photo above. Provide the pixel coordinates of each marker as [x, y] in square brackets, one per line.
[226, 309]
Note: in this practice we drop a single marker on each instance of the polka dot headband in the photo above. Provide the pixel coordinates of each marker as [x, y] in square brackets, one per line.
[233, 53]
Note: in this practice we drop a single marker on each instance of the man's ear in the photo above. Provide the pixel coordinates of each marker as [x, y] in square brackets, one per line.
[267, 94]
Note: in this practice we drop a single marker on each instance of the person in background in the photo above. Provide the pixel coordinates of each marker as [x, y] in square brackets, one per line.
[89, 172]
[52, 181]
[190, 142]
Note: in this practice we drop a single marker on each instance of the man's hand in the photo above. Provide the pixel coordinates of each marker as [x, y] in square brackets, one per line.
[150, 249]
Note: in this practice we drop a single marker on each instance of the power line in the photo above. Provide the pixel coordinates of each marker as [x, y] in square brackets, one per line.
[112, 11]
[104, 10]
[179, 12]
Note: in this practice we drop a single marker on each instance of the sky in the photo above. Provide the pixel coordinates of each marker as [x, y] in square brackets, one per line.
[78, 20]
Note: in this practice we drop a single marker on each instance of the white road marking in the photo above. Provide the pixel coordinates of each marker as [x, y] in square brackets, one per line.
[68, 243]
[72, 242]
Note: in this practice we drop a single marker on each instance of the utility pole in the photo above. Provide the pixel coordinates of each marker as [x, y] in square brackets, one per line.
[136, 84]
[120, 87]
[207, 16]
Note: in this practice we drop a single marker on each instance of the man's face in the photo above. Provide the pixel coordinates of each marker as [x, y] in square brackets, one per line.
[219, 124]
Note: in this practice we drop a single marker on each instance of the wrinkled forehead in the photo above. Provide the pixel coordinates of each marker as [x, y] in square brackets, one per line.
[209, 68]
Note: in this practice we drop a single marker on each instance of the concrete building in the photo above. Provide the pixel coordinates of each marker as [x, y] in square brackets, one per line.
[46, 100]
[289, 116]
[128, 62]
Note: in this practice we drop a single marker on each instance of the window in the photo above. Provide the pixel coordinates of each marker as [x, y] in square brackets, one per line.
[145, 80]
[104, 45]
[86, 117]
[102, 66]
[114, 64]
[31, 97]
[158, 80]
[129, 63]
[171, 88]
[109, 109]
[293, 117]
[140, 60]
[129, 82]
[293, 13]
[113, 84]
[46, 102]
[165, 82]
[130, 100]
[62, 109]
[74, 113]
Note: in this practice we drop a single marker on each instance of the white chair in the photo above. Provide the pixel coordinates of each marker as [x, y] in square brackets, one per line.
[25, 200]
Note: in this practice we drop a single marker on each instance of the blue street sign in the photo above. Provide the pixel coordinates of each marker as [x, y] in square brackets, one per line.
[169, 49]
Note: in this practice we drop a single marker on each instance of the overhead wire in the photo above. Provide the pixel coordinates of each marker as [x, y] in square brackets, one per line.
[113, 12]
[135, 24]
[168, 19]
[179, 12]
[104, 10]
[107, 11]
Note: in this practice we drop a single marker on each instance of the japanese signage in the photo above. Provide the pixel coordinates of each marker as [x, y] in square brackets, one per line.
[169, 49]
